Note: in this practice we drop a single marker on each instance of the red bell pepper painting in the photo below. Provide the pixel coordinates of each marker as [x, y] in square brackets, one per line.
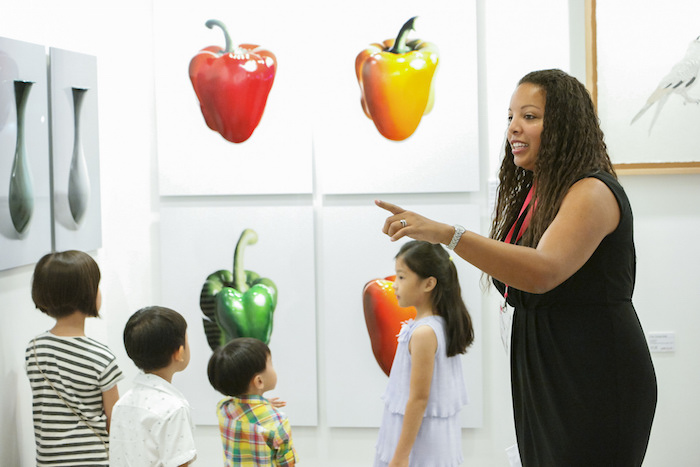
[232, 85]
[383, 317]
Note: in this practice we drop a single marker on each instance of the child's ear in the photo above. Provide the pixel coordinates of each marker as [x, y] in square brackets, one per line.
[430, 284]
[258, 382]
[179, 355]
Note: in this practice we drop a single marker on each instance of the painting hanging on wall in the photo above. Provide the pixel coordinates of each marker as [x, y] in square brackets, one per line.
[648, 98]
[206, 145]
[25, 195]
[75, 151]
[356, 358]
[238, 302]
[269, 249]
[232, 84]
[410, 112]
[329, 101]
[384, 318]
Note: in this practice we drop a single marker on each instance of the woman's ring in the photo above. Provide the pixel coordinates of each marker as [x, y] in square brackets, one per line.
[403, 223]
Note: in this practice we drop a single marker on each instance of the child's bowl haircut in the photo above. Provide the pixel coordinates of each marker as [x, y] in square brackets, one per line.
[65, 282]
[152, 335]
[232, 367]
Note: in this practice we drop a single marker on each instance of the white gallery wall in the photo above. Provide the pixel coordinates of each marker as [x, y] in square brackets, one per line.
[512, 39]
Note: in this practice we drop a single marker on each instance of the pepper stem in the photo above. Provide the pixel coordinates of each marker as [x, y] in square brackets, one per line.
[228, 48]
[248, 237]
[399, 46]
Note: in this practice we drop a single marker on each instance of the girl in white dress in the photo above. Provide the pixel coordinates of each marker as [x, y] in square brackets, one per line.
[426, 391]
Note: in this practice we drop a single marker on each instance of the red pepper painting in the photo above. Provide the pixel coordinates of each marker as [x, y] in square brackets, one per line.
[232, 85]
[383, 317]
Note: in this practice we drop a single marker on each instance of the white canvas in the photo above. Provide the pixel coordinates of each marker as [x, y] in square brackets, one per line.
[75, 70]
[355, 251]
[442, 154]
[195, 160]
[315, 102]
[198, 238]
[23, 61]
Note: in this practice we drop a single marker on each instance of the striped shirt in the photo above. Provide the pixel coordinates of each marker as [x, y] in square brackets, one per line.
[254, 433]
[80, 369]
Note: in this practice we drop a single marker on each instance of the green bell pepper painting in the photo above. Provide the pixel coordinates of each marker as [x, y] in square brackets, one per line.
[238, 303]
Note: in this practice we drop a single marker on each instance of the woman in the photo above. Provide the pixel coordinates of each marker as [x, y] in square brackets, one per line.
[583, 383]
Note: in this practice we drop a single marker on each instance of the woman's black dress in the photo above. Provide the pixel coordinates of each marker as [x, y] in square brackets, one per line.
[583, 383]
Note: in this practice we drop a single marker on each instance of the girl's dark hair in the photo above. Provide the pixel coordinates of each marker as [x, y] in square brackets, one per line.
[571, 146]
[65, 282]
[232, 367]
[152, 335]
[428, 260]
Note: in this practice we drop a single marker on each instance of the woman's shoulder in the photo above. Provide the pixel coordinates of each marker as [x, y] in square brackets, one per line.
[592, 198]
[595, 185]
[600, 179]
[600, 187]
[591, 186]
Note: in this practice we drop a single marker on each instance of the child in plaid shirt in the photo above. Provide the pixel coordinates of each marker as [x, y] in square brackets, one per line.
[253, 431]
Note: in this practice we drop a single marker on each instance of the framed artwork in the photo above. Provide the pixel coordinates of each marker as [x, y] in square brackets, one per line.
[197, 239]
[75, 151]
[646, 91]
[354, 254]
[441, 155]
[25, 194]
[193, 159]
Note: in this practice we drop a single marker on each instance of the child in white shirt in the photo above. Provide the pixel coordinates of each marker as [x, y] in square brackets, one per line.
[151, 423]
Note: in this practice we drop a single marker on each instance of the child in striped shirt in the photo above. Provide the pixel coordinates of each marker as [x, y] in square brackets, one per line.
[253, 431]
[73, 377]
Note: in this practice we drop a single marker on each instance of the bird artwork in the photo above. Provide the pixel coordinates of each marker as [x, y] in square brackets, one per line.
[681, 77]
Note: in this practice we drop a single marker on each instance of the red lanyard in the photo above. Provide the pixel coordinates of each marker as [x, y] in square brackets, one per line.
[524, 222]
[521, 224]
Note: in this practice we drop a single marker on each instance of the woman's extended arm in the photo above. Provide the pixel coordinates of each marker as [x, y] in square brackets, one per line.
[422, 346]
[588, 213]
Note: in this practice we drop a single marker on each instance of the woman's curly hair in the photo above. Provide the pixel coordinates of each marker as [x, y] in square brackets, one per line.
[571, 146]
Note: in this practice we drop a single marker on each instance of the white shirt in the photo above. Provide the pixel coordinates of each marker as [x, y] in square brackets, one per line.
[151, 426]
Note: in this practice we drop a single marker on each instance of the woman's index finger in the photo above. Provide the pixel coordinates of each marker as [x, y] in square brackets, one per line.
[392, 208]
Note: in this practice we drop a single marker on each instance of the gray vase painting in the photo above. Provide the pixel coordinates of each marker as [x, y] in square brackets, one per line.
[78, 179]
[21, 190]
[75, 150]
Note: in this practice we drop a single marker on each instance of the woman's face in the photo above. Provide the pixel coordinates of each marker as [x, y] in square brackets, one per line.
[526, 117]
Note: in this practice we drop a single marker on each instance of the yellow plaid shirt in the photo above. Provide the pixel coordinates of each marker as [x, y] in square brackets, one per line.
[254, 433]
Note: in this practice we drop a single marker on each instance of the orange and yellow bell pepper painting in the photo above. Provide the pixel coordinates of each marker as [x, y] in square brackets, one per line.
[396, 82]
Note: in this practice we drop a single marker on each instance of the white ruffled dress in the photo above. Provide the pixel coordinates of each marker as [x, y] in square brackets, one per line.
[438, 443]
